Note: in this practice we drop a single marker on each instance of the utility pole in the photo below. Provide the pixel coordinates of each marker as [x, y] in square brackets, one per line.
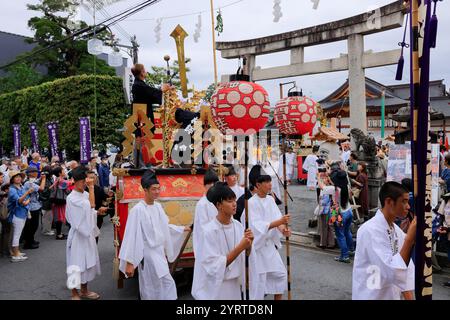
[133, 50]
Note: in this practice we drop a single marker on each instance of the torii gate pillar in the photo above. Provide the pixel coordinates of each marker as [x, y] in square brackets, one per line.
[357, 82]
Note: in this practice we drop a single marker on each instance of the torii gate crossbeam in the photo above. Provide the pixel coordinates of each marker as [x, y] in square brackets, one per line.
[352, 29]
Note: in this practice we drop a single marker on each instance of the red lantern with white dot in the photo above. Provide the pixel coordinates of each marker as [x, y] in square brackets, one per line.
[240, 107]
[295, 114]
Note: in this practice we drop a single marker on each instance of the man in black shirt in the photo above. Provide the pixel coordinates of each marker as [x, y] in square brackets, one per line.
[143, 93]
[100, 198]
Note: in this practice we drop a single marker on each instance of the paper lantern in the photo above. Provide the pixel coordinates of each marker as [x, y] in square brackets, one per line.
[95, 46]
[295, 115]
[240, 106]
[115, 59]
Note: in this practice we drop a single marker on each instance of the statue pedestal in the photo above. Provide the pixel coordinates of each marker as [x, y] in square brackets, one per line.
[376, 180]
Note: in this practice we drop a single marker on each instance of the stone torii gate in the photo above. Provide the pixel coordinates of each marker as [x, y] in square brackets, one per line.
[352, 29]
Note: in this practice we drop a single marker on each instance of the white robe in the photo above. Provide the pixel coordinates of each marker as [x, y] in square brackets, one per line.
[148, 240]
[378, 274]
[215, 280]
[312, 167]
[267, 272]
[205, 212]
[345, 156]
[81, 248]
[238, 190]
[290, 164]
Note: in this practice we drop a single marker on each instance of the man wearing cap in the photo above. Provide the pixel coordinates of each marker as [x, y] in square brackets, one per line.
[103, 172]
[149, 242]
[81, 251]
[35, 206]
[268, 274]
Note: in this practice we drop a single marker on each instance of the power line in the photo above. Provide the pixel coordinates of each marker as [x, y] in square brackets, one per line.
[119, 17]
[187, 14]
[118, 27]
[106, 14]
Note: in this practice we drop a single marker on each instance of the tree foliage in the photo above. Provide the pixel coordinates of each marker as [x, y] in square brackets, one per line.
[158, 75]
[57, 21]
[65, 100]
[19, 76]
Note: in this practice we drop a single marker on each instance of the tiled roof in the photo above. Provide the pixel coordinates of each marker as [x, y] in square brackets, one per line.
[329, 134]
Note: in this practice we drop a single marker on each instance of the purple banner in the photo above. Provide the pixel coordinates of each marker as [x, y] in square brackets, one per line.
[16, 137]
[53, 138]
[85, 140]
[34, 137]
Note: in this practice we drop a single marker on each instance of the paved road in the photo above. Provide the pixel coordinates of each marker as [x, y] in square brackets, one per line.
[315, 275]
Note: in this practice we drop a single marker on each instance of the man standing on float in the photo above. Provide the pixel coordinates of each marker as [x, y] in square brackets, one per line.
[144, 94]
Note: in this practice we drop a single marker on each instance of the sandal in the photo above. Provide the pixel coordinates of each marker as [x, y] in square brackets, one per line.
[75, 298]
[90, 295]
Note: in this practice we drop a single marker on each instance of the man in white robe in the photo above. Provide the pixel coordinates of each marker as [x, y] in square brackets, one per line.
[383, 269]
[346, 151]
[231, 180]
[268, 274]
[291, 157]
[148, 244]
[312, 167]
[205, 212]
[81, 251]
[222, 262]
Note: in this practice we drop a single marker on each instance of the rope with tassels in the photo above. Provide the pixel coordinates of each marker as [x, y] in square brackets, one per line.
[434, 25]
[401, 61]
[116, 222]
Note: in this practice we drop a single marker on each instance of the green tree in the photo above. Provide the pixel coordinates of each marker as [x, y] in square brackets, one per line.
[65, 100]
[159, 75]
[56, 22]
[19, 76]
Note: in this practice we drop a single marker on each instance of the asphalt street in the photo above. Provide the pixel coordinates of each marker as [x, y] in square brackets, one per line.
[315, 275]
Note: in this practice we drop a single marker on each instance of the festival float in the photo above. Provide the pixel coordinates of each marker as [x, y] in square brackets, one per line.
[238, 105]
[181, 185]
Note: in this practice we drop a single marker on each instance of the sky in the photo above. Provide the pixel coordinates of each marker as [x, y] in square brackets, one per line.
[248, 19]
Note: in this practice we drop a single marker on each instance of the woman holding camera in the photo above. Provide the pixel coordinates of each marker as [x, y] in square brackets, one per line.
[47, 214]
[362, 183]
[59, 207]
[326, 231]
[343, 215]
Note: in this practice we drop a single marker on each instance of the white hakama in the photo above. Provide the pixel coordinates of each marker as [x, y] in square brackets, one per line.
[215, 280]
[379, 272]
[268, 274]
[291, 157]
[205, 212]
[148, 243]
[81, 248]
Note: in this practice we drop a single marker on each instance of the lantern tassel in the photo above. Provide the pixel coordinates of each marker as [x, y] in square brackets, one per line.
[433, 26]
[400, 65]
[401, 61]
